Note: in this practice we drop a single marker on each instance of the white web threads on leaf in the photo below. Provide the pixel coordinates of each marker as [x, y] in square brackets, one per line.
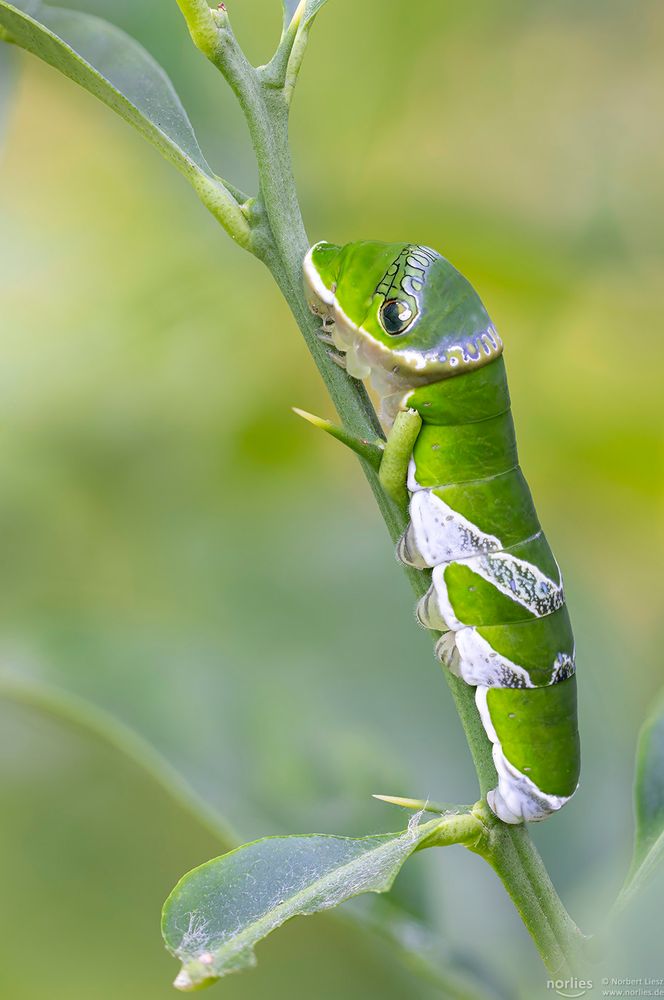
[194, 940]
[414, 821]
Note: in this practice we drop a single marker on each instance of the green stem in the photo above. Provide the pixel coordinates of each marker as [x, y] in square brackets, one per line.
[510, 852]
[515, 859]
[280, 241]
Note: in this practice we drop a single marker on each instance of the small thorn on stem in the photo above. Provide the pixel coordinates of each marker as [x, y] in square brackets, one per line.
[371, 451]
[419, 804]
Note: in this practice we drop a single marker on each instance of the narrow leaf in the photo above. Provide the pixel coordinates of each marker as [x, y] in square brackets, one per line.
[310, 9]
[112, 66]
[649, 805]
[290, 6]
[8, 74]
[218, 913]
[82, 713]
[453, 975]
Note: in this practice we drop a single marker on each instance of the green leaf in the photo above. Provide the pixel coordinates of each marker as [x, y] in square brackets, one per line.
[418, 946]
[218, 913]
[410, 939]
[115, 68]
[311, 8]
[83, 714]
[649, 806]
[8, 73]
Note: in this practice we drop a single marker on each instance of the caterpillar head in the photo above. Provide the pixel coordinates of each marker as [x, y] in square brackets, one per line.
[400, 312]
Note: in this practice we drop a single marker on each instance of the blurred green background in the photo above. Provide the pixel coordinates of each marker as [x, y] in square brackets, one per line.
[238, 614]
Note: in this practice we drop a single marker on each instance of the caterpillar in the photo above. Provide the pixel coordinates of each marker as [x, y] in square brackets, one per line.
[401, 316]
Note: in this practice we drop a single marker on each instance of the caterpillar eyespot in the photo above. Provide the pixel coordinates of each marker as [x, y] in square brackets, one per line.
[496, 592]
[395, 316]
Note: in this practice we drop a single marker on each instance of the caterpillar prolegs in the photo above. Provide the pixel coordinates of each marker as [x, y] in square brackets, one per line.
[403, 317]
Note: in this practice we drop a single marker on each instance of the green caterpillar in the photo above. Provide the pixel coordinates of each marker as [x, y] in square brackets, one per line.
[404, 318]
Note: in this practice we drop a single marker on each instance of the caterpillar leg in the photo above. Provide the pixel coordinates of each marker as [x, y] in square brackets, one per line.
[338, 359]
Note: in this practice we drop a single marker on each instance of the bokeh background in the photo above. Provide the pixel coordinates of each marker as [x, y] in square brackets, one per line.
[206, 640]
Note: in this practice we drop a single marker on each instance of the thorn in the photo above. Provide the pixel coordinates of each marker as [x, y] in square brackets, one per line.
[419, 804]
[371, 451]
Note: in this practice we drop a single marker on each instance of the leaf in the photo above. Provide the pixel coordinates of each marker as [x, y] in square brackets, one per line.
[649, 806]
[92, 875]
[218, 912]
[410, 939]
[8, 73]
[114, 67]
[82, 714]
[290, 6]
[420, 948]
[311, 8]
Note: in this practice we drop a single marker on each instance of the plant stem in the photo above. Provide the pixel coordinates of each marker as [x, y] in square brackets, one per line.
[280, 241]
[509, 849]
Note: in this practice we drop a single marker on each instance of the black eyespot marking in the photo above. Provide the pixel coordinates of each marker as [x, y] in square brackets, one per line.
[395, 316]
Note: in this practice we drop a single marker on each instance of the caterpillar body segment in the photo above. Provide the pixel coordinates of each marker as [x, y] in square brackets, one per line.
[405, 319]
